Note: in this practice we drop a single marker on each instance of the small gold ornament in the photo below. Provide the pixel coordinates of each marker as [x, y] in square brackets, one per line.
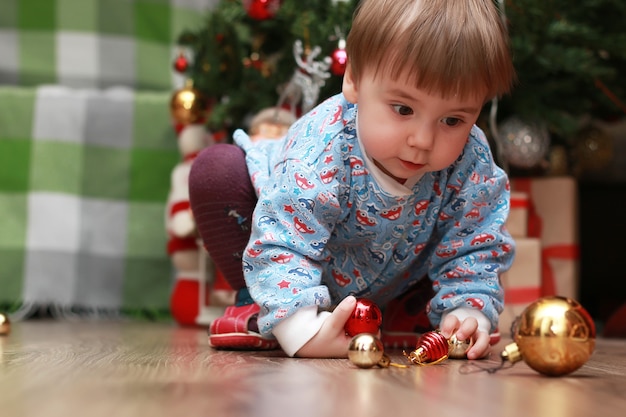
[554, 336]
[458, 348]
[558, 161]
[5, 324]
[367, 351]
[593, 150]
[188, 105]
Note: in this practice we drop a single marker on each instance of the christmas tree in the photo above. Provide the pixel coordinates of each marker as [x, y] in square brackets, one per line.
[243, 58]
[570, 59]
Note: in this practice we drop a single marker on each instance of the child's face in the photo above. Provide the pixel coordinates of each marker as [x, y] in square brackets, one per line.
[406, 130]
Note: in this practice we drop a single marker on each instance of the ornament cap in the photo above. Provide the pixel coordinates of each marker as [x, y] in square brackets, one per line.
[511, 353]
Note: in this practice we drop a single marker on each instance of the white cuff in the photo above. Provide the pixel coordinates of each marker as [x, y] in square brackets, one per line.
[293, 332]
[462, 313]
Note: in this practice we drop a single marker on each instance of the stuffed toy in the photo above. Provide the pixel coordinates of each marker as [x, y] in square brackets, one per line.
[199, 294]
[270, 123]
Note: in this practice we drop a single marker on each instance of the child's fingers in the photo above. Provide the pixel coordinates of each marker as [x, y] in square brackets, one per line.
[342, 312]
[449, 326]
[480, 348]
[468, 327]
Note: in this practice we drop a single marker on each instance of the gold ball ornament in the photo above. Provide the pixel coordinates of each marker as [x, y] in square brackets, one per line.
[5, 324]
[188, 105]
[554, 336]
[593, 150]
[365, 350]
[457, 349]
[558, 161]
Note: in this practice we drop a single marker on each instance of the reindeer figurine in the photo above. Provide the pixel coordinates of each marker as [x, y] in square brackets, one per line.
[307, 80]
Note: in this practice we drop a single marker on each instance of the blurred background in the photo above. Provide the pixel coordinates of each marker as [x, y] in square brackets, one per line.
[96, 95]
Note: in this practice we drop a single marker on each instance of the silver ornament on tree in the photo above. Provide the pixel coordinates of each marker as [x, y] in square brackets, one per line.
[524, 144]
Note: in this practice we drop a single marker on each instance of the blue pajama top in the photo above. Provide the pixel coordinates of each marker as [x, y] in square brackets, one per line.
[329, 224]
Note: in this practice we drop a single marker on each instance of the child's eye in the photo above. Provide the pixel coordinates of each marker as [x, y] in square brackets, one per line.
[402, 110]
[451, 121]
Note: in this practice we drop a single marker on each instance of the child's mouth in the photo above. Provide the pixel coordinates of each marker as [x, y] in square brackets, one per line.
[411, 166]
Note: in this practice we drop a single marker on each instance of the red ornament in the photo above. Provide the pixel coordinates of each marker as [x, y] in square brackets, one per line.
[339, 60]
[254, 61]
[181, 64]
[366, 318]
[261, 9]
[431, 348]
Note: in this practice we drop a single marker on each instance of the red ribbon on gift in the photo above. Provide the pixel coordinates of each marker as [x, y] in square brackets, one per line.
[534, 221]
[568, 251]
[519, 203]
[521, 295]
[564, 252]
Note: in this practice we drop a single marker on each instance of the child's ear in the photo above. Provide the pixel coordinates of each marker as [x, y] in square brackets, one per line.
[349, 87]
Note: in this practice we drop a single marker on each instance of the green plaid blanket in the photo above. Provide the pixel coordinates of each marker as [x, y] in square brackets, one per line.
[86, 152]
[84, 176]
[94, 43]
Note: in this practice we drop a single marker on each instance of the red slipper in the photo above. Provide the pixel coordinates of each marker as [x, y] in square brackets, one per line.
[231, 330]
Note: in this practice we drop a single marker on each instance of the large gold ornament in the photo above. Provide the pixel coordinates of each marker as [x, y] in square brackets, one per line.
[188, 105]
[554, 336]
[5, 324]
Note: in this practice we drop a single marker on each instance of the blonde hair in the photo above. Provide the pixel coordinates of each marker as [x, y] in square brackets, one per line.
[450, 47]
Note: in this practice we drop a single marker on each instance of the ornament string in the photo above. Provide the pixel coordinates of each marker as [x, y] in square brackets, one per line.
[385, 362]
[474, 367]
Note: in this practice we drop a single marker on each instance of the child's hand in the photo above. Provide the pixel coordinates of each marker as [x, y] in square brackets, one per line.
[331, 341]
[466, 330]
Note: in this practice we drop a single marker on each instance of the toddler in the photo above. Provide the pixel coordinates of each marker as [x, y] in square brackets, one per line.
[386, 191]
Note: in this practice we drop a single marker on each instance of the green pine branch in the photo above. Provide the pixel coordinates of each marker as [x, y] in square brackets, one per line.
[563, 51]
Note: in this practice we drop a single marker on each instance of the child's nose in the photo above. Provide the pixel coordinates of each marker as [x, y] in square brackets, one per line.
[423, 137]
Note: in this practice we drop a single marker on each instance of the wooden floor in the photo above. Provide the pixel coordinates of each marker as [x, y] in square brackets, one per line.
[69, 369]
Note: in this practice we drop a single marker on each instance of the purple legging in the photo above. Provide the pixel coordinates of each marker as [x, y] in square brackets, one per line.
[222, 199]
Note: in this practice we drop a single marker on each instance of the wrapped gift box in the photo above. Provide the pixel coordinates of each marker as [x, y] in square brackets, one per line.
[521, 283]
[553, 218]
[517, 222]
